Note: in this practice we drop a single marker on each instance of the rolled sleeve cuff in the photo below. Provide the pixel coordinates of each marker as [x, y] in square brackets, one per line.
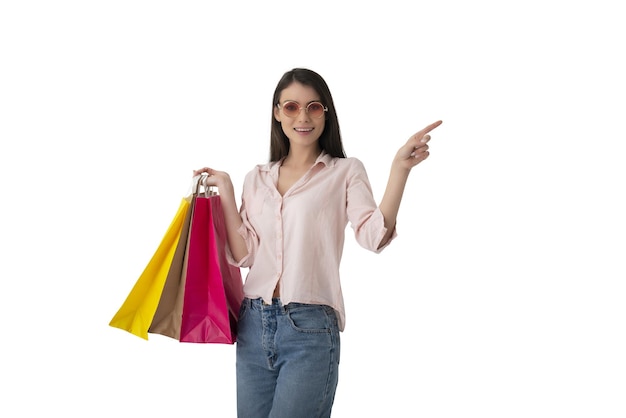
[394, 234]
[373, 231]
[247, 260]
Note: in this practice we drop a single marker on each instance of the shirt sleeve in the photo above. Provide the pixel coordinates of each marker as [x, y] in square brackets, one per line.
[364, 215]
[249, 238]
[247, 232]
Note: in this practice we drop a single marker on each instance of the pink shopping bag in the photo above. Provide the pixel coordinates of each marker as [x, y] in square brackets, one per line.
[213, 288]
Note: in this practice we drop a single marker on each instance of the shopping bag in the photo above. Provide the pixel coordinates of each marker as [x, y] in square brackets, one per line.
[167, 318]
[137, 312]
[163, 301]
[213, 287]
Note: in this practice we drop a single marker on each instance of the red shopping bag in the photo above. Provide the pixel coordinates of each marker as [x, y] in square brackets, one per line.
[213, 288]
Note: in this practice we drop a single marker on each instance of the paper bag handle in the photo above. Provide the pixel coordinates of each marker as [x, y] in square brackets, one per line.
[200, 182]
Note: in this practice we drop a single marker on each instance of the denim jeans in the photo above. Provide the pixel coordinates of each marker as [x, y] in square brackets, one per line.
[287, 360]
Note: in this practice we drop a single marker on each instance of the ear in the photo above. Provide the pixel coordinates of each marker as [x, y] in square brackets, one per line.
[277, 113]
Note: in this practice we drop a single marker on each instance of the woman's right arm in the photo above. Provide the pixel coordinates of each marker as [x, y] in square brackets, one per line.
[221, 180]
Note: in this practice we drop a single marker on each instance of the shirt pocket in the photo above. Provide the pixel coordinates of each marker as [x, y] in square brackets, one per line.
[257, 202]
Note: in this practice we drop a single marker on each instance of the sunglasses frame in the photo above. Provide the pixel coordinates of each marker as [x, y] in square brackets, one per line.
[306, 108]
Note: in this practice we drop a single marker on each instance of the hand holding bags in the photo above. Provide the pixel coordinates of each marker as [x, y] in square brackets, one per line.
[188, 291]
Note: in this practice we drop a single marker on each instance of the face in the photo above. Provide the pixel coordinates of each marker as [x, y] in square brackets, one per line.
[303, 129]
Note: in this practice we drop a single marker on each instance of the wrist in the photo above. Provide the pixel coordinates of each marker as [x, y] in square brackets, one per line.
[226, 189]
[400, 168]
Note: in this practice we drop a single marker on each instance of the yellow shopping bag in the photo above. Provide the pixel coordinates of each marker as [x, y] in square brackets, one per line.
[136, 313]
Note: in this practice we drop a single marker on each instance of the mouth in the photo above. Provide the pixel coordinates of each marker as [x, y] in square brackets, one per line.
[303, 130]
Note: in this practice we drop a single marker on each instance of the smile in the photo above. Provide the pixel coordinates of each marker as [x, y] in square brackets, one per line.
[303, 129]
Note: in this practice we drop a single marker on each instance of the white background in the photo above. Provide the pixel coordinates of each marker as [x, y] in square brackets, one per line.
[503, 295]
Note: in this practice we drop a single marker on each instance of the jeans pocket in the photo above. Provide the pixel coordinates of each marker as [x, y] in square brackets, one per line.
[309, 318]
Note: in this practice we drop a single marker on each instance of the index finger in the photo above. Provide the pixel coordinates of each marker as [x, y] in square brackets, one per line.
[430, 127]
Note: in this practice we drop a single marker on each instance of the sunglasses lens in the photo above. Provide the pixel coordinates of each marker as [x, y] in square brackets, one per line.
[315, 109]
[291, 109]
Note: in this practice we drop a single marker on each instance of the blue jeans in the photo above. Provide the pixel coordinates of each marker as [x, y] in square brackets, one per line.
[287, 360]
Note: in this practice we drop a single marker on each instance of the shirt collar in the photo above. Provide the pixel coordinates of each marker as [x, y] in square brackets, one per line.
[323, 158]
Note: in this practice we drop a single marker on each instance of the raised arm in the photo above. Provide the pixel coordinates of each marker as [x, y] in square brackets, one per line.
[413, 152]
[221, 180]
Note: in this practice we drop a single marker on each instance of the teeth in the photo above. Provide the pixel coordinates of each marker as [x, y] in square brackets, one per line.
[303, 129]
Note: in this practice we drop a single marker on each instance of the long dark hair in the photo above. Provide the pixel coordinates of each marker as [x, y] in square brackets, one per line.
[330, 140]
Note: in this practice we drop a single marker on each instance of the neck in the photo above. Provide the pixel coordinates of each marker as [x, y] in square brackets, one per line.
[302, 157]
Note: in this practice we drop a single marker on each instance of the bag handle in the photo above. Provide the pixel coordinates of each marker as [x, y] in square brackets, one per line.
[200, 181]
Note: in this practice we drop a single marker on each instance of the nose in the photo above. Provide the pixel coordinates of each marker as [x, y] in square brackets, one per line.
[303, 114]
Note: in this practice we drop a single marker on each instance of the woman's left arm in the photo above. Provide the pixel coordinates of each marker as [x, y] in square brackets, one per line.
[408, 156]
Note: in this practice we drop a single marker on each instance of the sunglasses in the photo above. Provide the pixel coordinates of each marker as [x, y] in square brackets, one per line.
[292, 109]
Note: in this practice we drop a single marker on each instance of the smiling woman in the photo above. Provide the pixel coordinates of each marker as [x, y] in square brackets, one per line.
[289, 231]
[302, 126]
[506, 282]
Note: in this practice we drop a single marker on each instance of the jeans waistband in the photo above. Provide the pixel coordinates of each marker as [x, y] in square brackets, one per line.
[261, 304]
[277, 304]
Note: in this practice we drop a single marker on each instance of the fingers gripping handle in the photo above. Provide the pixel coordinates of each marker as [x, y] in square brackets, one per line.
[199, 183]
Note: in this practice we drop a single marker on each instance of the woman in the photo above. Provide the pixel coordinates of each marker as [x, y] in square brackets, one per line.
[289, 232]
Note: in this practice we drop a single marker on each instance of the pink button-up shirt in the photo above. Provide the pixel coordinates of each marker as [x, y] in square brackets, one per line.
[296, 240]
